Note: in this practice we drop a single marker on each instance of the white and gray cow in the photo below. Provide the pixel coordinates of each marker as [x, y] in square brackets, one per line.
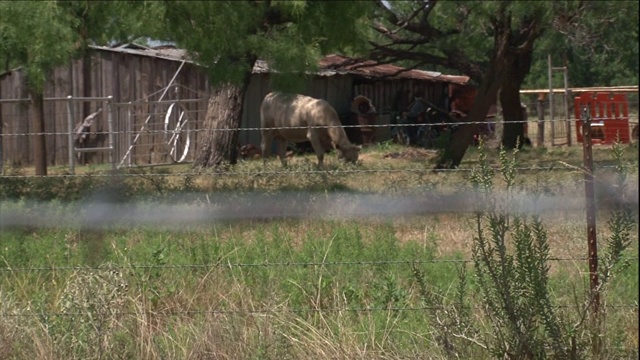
[313, 120]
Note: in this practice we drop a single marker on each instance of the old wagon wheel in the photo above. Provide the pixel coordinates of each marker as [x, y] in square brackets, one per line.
[176, 132]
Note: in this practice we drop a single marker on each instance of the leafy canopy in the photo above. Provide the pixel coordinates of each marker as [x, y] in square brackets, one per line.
[40, 35]
[36, 35]
[599, 39]
[107, 22]
[228, 36]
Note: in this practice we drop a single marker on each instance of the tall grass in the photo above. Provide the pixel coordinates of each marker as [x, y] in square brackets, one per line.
[373, 288]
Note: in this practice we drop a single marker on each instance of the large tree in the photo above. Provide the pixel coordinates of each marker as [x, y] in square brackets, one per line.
[490, 41]
[599, 40]
[38, 36]
[494, 42]
[41, 35]
[228, 37]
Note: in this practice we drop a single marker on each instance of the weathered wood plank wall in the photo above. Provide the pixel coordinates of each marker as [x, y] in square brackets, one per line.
[127, 78]
[137, 82]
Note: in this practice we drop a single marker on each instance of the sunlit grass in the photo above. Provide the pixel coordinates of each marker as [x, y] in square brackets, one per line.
[276, 288]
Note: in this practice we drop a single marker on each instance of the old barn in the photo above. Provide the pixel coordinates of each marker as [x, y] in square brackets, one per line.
[148, 85]
[134, 76]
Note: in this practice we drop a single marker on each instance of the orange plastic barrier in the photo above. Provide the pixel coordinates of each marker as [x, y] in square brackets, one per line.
[609, 117]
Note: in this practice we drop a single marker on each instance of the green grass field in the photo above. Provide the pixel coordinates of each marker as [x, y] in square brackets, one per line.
[287, 288]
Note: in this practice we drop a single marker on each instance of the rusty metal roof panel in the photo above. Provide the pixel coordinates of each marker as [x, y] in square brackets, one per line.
[370, 69]
[162, 52]
[329, 66]
[262, 67]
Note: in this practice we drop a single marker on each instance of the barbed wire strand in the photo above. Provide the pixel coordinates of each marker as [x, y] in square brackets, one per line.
[274, 310]
[263, 264]
[162, 131]
[294, 172]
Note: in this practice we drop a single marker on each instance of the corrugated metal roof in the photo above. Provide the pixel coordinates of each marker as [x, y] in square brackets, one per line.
[162, 52]
[329, 66]
[370, 69]
[340, 65]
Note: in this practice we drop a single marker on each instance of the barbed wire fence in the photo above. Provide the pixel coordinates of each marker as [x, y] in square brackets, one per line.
[55, 271]
[167, 132]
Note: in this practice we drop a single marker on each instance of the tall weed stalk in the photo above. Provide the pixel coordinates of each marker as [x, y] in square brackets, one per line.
[511, 266]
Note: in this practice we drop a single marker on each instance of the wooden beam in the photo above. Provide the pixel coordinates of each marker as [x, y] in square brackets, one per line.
[620, 89]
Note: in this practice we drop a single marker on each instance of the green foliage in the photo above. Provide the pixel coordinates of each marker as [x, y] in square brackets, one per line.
[37, 35]
[621, 223]
[41, 35]
[228, 36]
[106, 22]
[599, 39]
[470, 20]
[515, 284]
[511, 257]
[18, 186]
[279, 285]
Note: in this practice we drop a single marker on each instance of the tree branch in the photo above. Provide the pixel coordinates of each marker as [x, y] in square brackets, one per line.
[395, 39]
[421, 27]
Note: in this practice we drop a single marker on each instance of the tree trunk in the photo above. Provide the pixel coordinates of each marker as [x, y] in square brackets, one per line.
[463, 136]
[37, 128]
[513, 115]
[492, 79]
[224, 114]
[486, 96]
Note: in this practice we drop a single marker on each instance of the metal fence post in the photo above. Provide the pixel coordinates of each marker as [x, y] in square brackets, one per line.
[541, 124]
[551, 119]
[129, 132]
[589, 191]
[72, 146]
[566, 101]
[112, 156]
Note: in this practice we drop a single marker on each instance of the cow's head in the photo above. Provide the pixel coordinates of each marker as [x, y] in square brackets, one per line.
[349, 153]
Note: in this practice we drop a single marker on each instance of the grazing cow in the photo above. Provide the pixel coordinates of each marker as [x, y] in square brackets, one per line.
[315, 121]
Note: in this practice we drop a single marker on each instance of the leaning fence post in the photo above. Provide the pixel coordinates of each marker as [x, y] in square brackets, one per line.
[72, 146]
[589, 192]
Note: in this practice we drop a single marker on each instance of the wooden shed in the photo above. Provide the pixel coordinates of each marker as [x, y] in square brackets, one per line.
[137, 78]
[341, 79]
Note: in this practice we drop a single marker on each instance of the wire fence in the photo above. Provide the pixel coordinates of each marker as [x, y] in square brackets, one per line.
[170, 131]
[279, 310]
[560, 167]
[263, 265]
[274, 310]
[267, 264]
